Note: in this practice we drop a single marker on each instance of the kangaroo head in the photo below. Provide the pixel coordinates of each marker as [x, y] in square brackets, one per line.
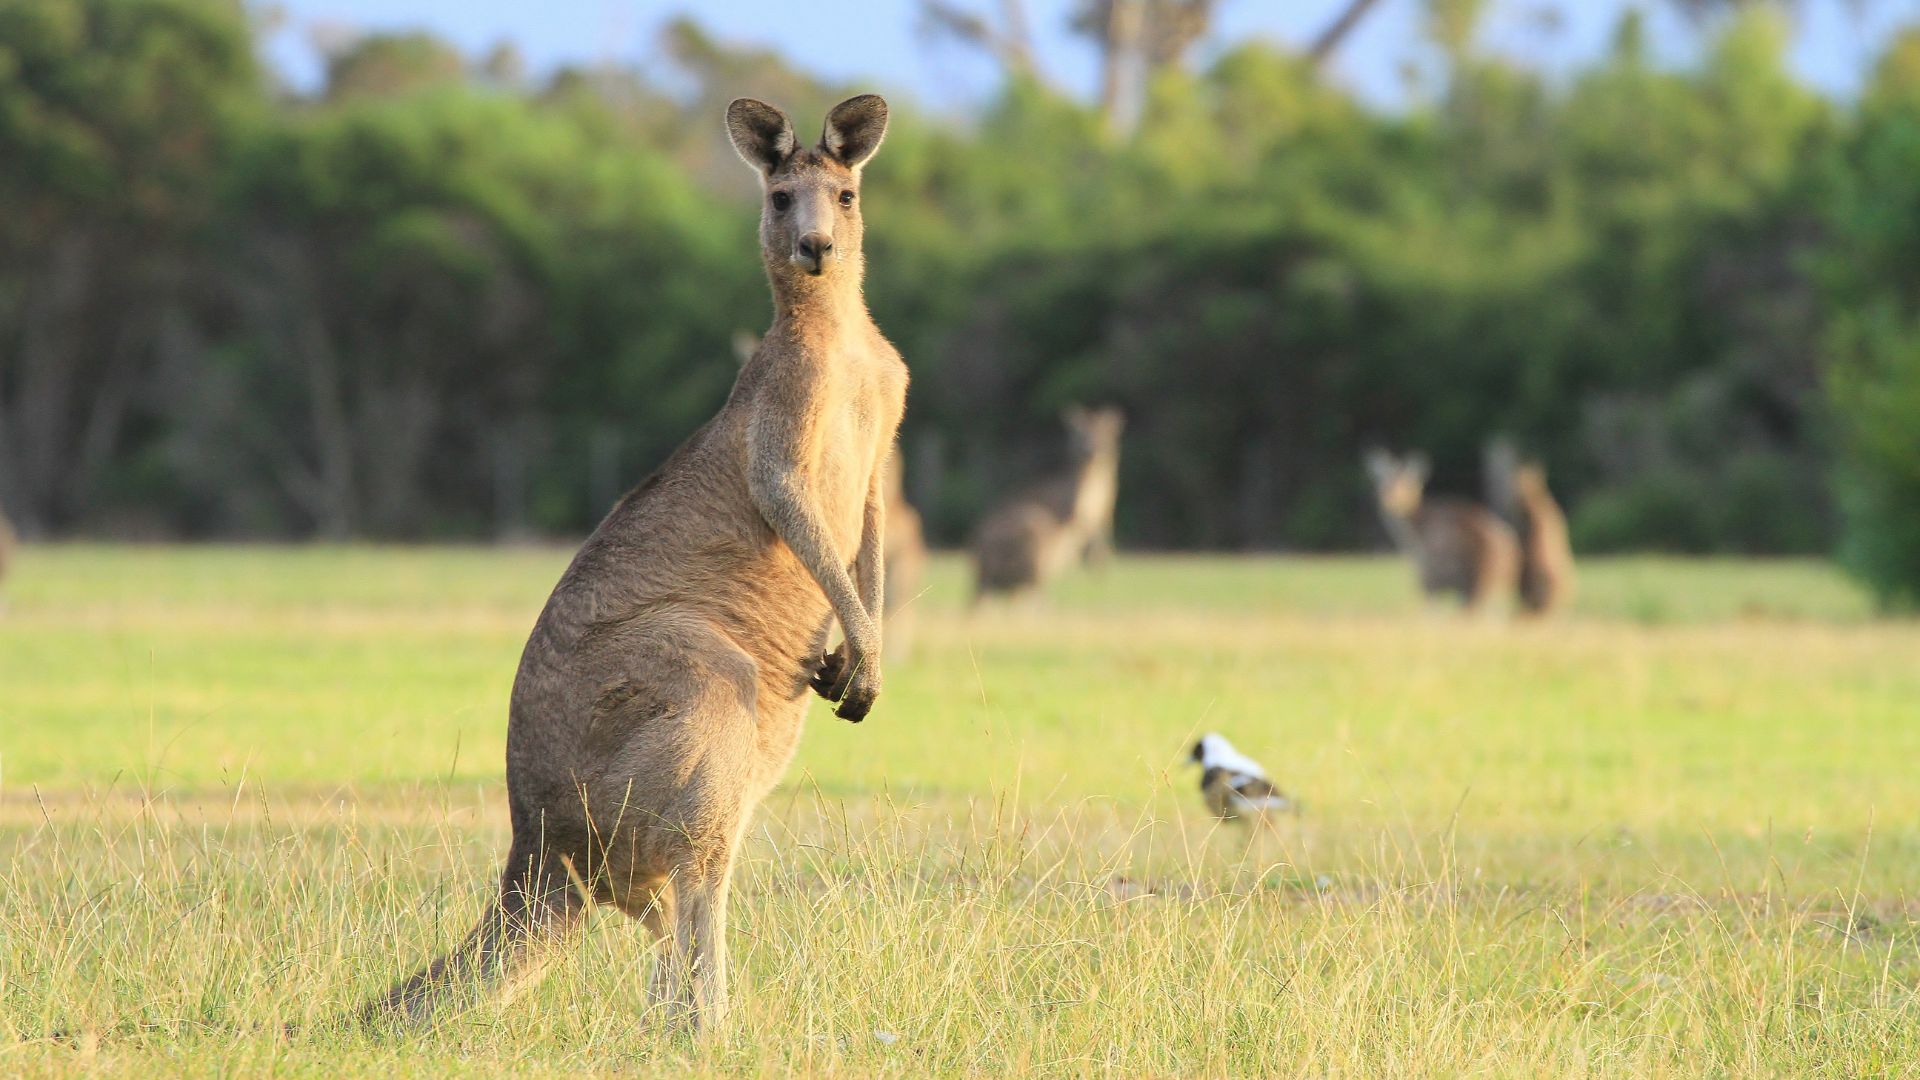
[1399, 483]
[1093, 433]
[810, 222]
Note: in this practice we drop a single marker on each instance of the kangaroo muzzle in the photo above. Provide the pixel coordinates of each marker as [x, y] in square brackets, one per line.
[811, 251]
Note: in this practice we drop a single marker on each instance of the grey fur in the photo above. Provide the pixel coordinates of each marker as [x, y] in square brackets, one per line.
[662, 691]
[1459, 548]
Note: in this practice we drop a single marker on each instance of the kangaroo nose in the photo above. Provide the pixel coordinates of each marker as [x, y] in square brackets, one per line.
[814, 247]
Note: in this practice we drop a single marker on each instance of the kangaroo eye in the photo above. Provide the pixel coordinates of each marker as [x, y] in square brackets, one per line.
[846, 198]
[781, 200]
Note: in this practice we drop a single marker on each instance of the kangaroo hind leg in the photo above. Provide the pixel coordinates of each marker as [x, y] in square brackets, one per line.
[686, 768]
[689, 985]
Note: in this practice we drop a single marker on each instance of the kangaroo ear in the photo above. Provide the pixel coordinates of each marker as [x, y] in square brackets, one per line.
[1380, 463]
[762, 135]
[854, 130]
[1420, 466]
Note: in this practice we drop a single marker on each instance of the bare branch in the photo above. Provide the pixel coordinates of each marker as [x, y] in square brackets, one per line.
[1010, 46]
[1338, 31]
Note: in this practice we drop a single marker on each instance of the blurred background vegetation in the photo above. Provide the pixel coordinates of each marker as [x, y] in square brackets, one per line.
[440, 297]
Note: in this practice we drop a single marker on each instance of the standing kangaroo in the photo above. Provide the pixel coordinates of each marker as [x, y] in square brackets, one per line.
[1546, 555]
[8, 540]
[662, 691]
[905, 557]
[1457, 546]
[1091, 491]
[1022, 543]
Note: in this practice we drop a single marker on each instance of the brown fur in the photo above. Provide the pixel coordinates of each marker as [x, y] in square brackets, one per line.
[662, 691]
[905, 557]
[1458, 547]
[1024, 542]
[1546, 553]
[8, 541]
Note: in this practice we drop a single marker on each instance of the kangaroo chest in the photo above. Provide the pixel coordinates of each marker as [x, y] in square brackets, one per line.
[863, 411]
[1096, 495]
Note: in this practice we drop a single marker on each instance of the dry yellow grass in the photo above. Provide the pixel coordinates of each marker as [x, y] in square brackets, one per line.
[1672, 836]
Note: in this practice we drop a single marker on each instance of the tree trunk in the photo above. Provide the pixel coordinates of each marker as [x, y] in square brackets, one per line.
[1122, 83]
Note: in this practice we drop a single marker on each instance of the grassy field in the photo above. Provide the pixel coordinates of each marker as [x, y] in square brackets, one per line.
[1678, 833]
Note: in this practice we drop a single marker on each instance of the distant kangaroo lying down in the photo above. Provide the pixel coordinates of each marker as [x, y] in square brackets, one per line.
[662, 691]
[1024, 542]
[1458, 547]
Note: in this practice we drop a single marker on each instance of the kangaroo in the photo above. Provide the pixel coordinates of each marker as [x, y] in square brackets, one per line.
[1094, 438]
[1458, 547]
[662, 691]
[8, 541]
[905, 552]
[905, 556]
[1546, 555]
[1027, 540]
[1499, 459]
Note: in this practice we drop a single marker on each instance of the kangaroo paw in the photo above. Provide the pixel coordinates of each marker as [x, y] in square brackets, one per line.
[830, 675]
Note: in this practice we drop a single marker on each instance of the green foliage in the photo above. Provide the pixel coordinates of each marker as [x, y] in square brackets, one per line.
[116, 119]
[1270, 277]
[1876, 390]
[115, 107]
[471, 254]
[1871, 270]
[386, 65]
[434, 300]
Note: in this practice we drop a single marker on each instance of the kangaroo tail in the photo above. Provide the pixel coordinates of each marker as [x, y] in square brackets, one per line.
[503, 953]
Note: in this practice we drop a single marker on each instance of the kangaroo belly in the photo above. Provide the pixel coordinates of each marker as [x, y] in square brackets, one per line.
[843, 476]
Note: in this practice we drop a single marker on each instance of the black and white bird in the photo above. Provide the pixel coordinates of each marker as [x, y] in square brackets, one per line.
[1233, 784]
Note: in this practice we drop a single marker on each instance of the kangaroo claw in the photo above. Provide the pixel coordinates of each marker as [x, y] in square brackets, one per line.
[827, 675]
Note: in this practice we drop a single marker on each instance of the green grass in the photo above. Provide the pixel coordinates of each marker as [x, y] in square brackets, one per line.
[1676, 833]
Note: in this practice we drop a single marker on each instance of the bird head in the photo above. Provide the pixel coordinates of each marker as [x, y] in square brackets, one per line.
[1208, 746]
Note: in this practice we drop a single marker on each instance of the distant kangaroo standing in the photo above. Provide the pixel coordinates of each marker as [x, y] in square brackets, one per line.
[1458, 547]
[1546, 555]
[1091, 494]
[1022, 543]
[8, 540]
[662, 691]
[905, 559]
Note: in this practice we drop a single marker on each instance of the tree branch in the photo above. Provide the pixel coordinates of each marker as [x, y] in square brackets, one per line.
[1338, 30]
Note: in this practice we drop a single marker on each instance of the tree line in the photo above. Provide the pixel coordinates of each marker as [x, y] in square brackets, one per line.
[438, 298]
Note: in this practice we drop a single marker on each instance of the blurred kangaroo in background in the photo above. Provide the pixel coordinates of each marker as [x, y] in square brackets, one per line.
[1546, 554]
[1499, 460]
[905, 556]
[1024, 542]
[663, 689]
[1457, 546]
[1093, 437]
[8, 541]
